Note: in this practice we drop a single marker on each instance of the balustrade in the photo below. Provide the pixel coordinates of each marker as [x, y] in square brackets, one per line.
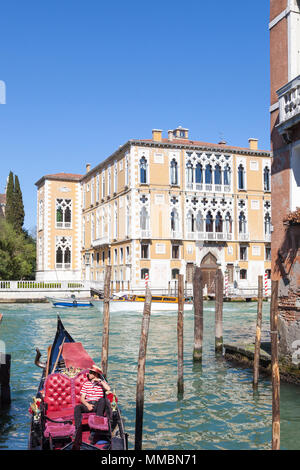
[289, 104]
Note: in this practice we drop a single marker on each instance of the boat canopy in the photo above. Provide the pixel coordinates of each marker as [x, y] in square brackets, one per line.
[76, 356]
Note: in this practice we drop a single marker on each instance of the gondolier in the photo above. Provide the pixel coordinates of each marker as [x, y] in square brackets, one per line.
[92, 396]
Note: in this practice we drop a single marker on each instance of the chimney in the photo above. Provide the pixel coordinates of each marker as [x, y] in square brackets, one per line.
[88, 167]
[222, 142]
[156, 135]
[170, 135]
[253, 144]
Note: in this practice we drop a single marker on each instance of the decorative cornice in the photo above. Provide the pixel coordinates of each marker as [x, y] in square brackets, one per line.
[202, 147]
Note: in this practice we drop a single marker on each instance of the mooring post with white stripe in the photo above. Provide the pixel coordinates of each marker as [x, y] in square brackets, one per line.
[266, 284]
[146, 280]
[105, 332]
[141, 372]
[226, 284]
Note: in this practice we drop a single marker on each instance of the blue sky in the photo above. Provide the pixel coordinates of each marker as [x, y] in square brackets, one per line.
[83, 77]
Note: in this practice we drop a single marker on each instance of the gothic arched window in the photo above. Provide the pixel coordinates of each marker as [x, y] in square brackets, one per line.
[144, 219]
[199, 173]
[219, 223]
[267, 184]
[189, 172]
[228, 223]
[218, 174]
[174, 221]
[242, 223]
[190, 222]
[208, 174]
[143, 170]
[241, 177]
[209, 224]
[174, 172]
[267, 224]
[227, 179]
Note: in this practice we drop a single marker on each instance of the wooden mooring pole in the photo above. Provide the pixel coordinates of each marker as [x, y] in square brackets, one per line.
[105, 331]
[219, 311]
[180, 386]
[275, 368]
[5, 360]
[198, 314]
[258, 332]
[141, 372]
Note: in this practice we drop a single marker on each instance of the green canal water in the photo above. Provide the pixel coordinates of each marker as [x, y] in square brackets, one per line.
[218, 410]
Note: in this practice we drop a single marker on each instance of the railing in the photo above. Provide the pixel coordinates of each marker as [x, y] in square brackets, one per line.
[209, 236]
[216, 188]
[267, 237]
[145, 234]
[289, 103]
[63, 224]
[62, 266]
[244, 237]
[43, 285]
[176, 235]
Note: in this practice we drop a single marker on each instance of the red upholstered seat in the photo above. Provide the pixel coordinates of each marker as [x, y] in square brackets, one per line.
[58, 393]
[62, 394]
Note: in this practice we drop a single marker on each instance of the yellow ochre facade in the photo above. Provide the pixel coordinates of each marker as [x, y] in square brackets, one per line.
[158, 207]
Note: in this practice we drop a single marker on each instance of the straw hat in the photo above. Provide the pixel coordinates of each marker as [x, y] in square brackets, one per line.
[96, 369]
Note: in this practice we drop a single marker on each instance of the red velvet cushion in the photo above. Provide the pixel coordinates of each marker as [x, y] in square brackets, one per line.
[98, 422]
[66, 414]
[59, 429]
[58, 392]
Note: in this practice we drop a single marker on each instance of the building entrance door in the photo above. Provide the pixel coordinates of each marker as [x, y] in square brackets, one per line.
[209, 268]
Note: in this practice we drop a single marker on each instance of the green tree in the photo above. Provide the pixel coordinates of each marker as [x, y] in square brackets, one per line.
[10, 204]
[18, 205]
[17, 253]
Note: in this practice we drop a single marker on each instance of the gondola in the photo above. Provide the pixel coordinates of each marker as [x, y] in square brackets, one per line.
[52, 410]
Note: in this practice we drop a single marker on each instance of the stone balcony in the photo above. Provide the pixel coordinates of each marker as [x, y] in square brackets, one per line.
[219, 236]
[289, 105]
[101, 241]
[215, 188]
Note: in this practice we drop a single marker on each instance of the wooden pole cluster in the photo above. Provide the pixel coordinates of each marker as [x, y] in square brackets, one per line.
[275, 368]
[141, 371]
[180, 385]
[258, 332]
[105, 331]
[198, 314]
[219, 311]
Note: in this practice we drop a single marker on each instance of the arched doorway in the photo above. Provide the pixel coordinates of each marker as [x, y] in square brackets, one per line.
[209, 267]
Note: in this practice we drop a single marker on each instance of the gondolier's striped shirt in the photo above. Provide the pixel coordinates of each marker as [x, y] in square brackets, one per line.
[93, 391]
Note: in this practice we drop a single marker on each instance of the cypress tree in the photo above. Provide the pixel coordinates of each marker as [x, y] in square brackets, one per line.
[9, 208]
[19, 206]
